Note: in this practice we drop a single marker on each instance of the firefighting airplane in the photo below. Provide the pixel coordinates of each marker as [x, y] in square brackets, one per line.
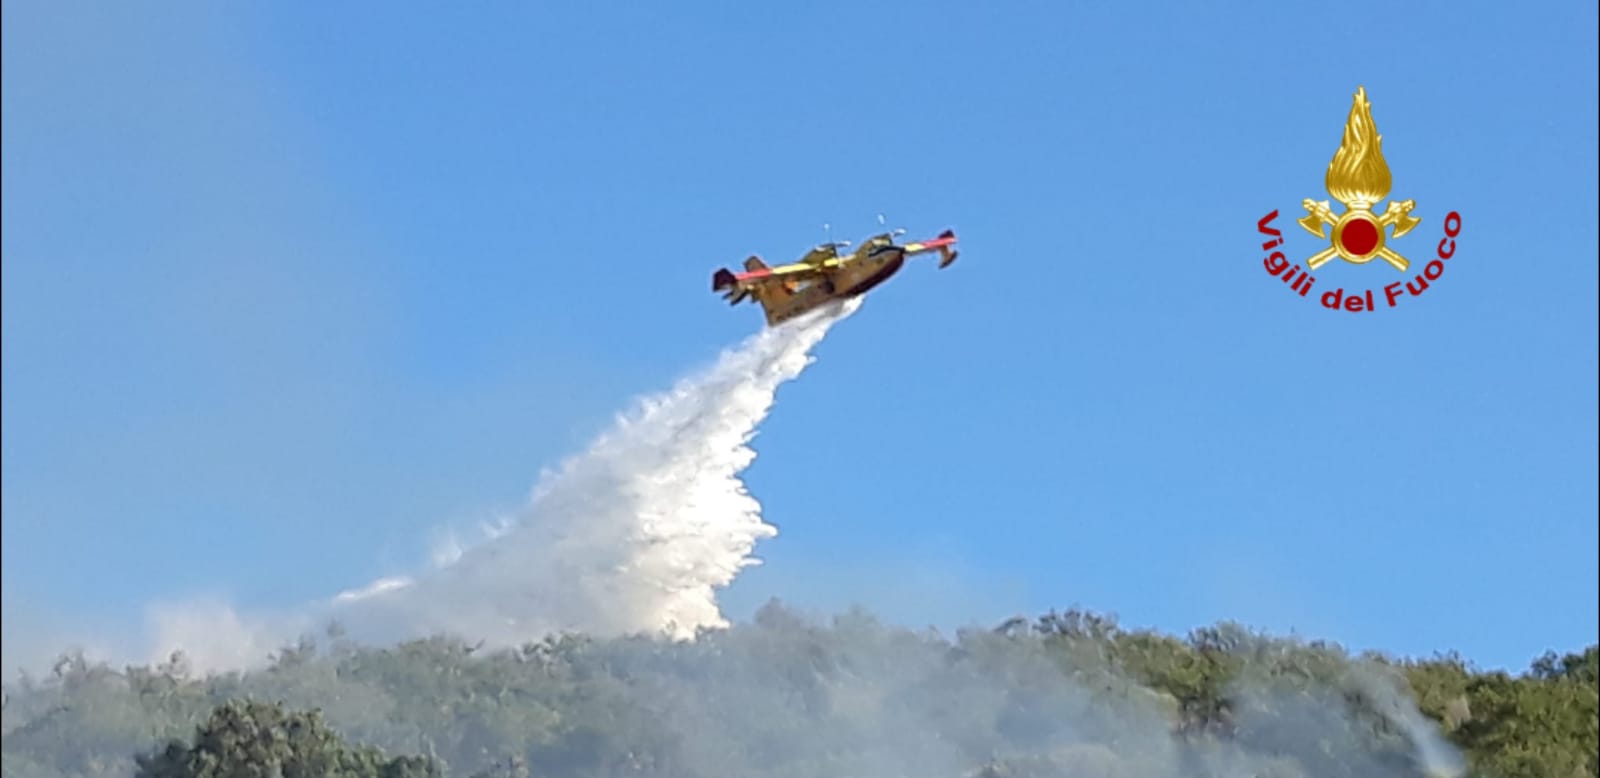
[787, 291]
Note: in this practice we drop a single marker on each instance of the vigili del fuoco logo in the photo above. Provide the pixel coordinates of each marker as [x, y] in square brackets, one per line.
[1358, 177]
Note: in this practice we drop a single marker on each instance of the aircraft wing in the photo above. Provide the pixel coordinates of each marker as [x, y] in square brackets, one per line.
[738, 286]
[942, 244]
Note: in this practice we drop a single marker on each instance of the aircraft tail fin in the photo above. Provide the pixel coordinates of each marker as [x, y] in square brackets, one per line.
[726, 282]
[777, 296]
[946, 253]
[735, 292]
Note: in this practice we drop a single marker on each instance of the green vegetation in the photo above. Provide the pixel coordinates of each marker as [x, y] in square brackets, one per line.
[255, 738]
[1068, 694]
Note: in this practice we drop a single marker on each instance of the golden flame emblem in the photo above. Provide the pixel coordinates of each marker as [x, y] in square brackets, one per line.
[1359, 178]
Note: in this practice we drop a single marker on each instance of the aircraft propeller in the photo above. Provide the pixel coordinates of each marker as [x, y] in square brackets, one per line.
[827, 231]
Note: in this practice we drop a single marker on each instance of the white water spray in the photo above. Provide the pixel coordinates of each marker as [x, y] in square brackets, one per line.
[633, 535]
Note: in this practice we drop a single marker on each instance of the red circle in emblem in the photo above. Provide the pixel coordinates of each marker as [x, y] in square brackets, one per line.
[1359, 237]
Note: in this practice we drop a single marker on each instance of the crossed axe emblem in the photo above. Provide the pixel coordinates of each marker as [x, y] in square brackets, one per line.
[1358, 234]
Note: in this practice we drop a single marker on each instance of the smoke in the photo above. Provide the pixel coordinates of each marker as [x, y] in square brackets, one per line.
[791, 696]
[1438, 757]
[634, 535]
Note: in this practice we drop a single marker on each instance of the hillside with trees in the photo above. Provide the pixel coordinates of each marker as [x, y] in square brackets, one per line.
[1068, 694]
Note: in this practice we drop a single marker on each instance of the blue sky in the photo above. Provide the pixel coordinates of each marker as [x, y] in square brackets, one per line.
[288, 287]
